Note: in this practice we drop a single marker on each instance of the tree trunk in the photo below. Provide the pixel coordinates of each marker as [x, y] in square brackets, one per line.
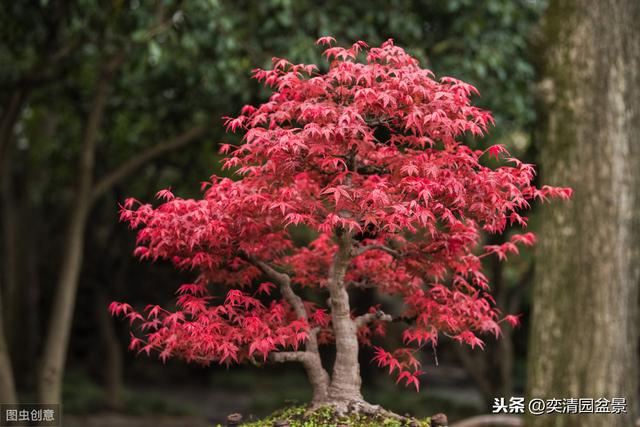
[10, 252]
[7, 385]
[345, 380]
[503, 353]
[31, 316]
[54, 356]
[8, 275]
[342, 390]
[113, 370]
[57, 341]
[584, 338]
[9, 118]
[20, 282]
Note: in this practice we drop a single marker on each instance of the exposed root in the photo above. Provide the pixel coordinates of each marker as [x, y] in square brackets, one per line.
[358, 406]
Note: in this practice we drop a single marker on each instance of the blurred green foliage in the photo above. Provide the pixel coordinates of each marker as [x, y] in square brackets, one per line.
[190, 61]
[82, 395]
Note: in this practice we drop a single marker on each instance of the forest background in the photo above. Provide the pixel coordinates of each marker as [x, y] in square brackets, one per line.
[102, 100]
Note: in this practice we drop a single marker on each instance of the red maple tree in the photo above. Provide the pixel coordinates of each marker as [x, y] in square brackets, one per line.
[368, 157]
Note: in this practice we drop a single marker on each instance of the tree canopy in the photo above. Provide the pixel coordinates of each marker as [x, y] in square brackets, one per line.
[369, 157]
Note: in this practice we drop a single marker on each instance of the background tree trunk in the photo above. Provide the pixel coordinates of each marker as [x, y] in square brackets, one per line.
[10, 252]
[86, 194]
[8, 120]
[7, 385]
[9, 261]
[113, 359]
[55, 349]
[584, 340]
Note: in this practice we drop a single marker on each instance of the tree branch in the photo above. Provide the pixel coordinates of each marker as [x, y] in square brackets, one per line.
[144, 157]
[270, 272]
[380, 316]
[361, 285]
[383, 248]
[288, 356]
[46, 71]
[284, 281]
[311, 357]
[372, 170]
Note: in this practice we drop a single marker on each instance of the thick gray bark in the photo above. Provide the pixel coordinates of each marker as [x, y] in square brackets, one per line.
[345, 379]
[342, 389]
[584, 339]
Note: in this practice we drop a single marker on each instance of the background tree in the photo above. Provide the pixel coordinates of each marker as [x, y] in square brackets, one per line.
[115, 35]
[584, 339]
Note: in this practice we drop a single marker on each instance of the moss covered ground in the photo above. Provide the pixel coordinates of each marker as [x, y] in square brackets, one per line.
[296, 417]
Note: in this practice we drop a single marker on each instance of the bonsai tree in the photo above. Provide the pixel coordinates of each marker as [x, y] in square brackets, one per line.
[368, 157]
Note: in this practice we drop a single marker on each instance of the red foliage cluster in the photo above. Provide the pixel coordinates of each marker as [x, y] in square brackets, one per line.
[371, 148]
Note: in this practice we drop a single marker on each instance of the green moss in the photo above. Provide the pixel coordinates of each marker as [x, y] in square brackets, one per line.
[325, 417]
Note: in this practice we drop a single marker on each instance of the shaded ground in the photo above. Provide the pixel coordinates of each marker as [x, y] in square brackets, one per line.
[112, 420]
[257, 394]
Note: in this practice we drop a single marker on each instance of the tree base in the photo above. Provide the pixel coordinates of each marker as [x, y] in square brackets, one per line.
[354, 407]
[335, 413]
